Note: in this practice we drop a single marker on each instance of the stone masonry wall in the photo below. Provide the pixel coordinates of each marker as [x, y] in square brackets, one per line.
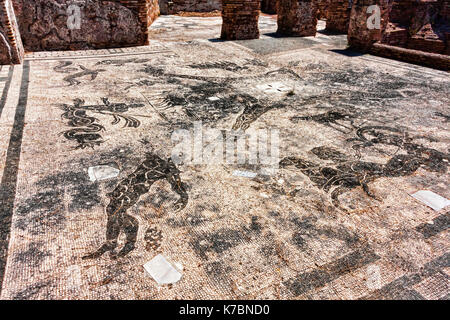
[11, 49]
[43, 24]
[240, 19]
[297, 17]
[175, 6]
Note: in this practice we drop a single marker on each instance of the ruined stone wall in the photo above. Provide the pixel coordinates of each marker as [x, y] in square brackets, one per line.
[420, 39]
[338, 15]
[445, 9]
[429, 29]
[401, 12]
[297, 17]
[11, 49]
[269, 6]
[444, 13]
[240, 19]
[43, 24]
[175, 6]
[421, 25]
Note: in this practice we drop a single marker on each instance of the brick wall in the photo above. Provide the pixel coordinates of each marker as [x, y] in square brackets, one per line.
[421, 25]
[240, 19]
[104, 24]
[401, 12]
[445, 9]
[433, 60]
[297, 17]
[175, 6]
[338, 15]
[417, 38]
[269, 6]
[323, 8]
[429, 27]
[11, 49]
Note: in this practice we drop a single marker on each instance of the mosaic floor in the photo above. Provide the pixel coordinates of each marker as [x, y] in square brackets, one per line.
[358, 135]
[177, 28]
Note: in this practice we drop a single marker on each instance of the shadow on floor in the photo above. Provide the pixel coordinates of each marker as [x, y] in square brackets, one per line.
[275, 35]
[330, 33]
[216, 40]
[348, 52]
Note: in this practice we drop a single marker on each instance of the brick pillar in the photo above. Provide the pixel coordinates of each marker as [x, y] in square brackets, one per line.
[240, 19]
[152, 12]
[359, 36]
[323, 8]
[338, 15]
[269, 6]
[11, 48]
[297, 17]
[147, 12]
